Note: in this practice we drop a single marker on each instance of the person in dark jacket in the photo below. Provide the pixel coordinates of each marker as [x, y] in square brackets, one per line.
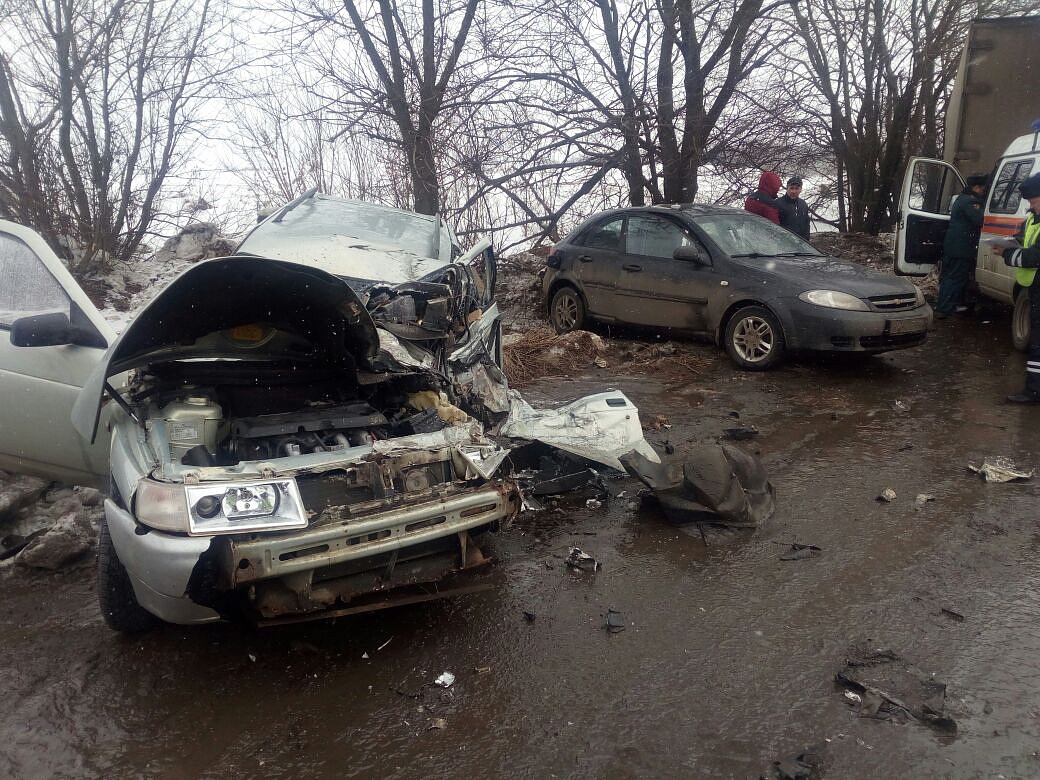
[960, 247]
[763, 200]
[794, 212]
[1024, 255]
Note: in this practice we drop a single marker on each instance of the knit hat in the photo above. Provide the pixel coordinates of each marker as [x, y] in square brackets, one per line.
[1030, 188]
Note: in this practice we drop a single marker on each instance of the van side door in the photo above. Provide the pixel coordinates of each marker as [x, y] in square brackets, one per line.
[929, 188]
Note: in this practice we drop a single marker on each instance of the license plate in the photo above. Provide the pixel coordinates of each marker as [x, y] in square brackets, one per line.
[899, 327]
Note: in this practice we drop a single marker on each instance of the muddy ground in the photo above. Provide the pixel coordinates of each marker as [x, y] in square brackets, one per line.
[728, 659]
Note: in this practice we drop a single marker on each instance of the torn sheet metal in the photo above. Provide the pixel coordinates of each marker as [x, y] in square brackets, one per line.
[484, 459]
[452, 436]
[718, 484]
[600, 427]
[484, 387]
[1000, 470]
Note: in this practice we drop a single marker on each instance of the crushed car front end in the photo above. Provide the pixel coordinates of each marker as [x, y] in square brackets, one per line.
[284, 449]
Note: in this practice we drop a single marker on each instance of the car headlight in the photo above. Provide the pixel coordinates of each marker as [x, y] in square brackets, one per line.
[833, 299]
[220, 507]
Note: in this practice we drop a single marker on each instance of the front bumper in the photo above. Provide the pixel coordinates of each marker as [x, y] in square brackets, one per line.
[187, 580]
[810, 327]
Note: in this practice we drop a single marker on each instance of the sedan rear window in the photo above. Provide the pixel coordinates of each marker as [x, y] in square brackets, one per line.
[740, 235]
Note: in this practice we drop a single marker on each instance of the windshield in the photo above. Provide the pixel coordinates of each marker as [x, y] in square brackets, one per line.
[746, 235]
[374, 227]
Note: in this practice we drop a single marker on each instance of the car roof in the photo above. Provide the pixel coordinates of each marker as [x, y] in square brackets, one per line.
[687, 209]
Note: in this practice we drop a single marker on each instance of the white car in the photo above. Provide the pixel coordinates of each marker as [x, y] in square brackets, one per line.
[289, 432]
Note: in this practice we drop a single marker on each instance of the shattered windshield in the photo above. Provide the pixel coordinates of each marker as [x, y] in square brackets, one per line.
[740, 235]
[373, 227]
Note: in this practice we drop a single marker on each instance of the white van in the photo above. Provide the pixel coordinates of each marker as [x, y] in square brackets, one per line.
[924, 214]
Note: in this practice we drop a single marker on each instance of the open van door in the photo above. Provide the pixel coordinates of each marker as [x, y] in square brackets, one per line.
[51, 339]
[929, 188]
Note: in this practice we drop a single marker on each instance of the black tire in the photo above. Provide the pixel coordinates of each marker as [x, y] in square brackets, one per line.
[754, 339]
[116, 597]
[1020, 320]
[567, 310]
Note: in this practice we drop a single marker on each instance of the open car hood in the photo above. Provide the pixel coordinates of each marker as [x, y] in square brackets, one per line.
[183, 322]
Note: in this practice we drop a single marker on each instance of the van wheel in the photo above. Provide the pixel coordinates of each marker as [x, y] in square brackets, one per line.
[116, 597]
[567, 310]
[1020, 321]
[754, 339]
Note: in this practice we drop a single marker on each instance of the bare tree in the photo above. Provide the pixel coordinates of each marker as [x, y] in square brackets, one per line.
[99, 104]
[414, 67]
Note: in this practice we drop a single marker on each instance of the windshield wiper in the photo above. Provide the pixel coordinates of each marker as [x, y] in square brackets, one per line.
[797, 254]
[751, 254]
[294, 203]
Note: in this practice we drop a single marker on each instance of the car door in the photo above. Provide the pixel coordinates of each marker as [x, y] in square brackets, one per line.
[595, 258]
[653, 287]
[39, 384]
[929, 188]
[1005, 211]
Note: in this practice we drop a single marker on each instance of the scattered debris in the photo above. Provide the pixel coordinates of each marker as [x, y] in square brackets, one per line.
[252, 658]
[799, 766]
[482, 670]
[718, 484]
[437, 724]
[740, 434]
[593, 503]
[891, 689]
[1000, 469]
[529, 616]
[902, 406]
[581, 560]
[855, 698]
[888, 495]
[364, 656]
[923, 498]
[446, 680]
[798, 552]
[615, 621]
[600, 362]
[600, 427]
[388, 641]
[952, 615]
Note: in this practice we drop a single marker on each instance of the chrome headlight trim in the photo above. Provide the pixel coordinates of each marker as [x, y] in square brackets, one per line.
[242, 507]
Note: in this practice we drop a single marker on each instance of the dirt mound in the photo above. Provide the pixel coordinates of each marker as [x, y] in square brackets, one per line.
[876, 252]
[519, 290]
[538, 352]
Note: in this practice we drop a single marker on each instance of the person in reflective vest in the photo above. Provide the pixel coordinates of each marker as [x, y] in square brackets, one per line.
[1024, 256]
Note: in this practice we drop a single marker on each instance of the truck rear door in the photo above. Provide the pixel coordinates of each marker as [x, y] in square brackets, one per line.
[924, 214]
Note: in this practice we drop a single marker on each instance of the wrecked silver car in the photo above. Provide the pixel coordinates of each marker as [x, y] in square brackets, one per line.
[282, 439]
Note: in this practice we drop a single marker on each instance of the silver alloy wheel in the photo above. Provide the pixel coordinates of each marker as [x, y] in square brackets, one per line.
[565, 310]
[753, 339]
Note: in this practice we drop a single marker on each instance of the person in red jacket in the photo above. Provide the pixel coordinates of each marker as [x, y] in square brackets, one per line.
[768, 187]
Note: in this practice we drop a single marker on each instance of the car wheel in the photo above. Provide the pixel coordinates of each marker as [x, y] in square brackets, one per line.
[754, 340]
[567, 310]
[1020, 321]
[116, 597]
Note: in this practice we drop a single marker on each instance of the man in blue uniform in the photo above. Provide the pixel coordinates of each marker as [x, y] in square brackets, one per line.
[960, 247]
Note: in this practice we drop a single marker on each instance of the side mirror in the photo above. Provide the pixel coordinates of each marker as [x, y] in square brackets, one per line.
[692, 254]
[52, 330]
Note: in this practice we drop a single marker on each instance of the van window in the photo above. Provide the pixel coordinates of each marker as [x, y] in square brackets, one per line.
[1005, 198]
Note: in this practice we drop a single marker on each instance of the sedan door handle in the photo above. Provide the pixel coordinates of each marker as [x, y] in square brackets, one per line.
[632, 267]
[584, 259]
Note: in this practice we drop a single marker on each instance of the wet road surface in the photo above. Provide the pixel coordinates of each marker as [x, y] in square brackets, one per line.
[728, 659]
